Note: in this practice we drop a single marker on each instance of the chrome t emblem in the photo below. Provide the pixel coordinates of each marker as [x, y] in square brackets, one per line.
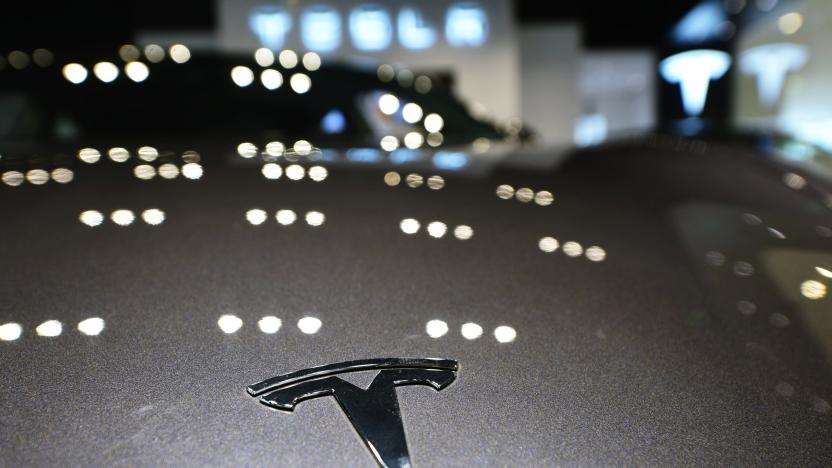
[374, 412]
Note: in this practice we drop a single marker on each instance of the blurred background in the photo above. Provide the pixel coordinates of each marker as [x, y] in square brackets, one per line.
[567, 73]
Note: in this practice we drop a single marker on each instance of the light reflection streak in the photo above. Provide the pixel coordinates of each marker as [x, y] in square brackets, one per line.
[229, 323]
[92, 326]
[10, 331]
[436, 328]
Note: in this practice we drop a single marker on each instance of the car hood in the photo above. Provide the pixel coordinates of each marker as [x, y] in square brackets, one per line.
[697, 333]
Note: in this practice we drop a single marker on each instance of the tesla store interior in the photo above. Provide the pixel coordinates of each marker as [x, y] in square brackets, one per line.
[416, 233]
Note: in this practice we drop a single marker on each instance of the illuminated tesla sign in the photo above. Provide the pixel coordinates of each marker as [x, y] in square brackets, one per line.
[320, 28]
[693, 71]
[770, 64]
[414, 32]
[371, 27]
[466, 25]
[271, 24]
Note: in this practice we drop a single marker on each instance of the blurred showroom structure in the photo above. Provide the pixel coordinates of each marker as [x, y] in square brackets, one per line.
[520, 61]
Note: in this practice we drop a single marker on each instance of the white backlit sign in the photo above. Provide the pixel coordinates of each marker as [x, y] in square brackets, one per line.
[414, 31]
[371, 26]
[769, 64]
[320, 28]
[271, 24]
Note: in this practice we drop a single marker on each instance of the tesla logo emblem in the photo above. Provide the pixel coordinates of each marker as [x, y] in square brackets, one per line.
[374, 412]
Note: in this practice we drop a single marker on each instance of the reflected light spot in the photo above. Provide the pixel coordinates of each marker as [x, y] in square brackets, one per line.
[812, 289]
[242, 76]
[311, 61]
[137, 71]
[414, 140]
[318, 173]
[37, 176]
[436, 328]
[300, 83]
[256, 216]
[481, 145]
[412, 112]
[505, 191]
[122, 217]
[154, 53]
[91, 218]
[275, 149]
[386, 72]
[191, 156]
[388, 104]
[89, 155]
[144, 171]
[105, 71]
[286, 217]
[548, 244]
[43, 57]
[62, 175]
[746, 307]
[147, 153]
[10, 331]
[824, 272]
[573, 249]
[471, 331]
[247, 150]
[192, 171]
[302, 147]
[414, 180]
[309, 325]
[272, 171]
[434, 123]
[118, 154]
[153, 216]
[463, 232]
[168, 171]
[75, 73]
[596, 254]
[13, 178]
[129, 53]
[743, 268]
[435, 139]
[392, 178]
[794, 181]
[315, 218]
[229, 323]
[295, 172]
[715, 258]
[544, 198]
[524, 194]
[437, 229]
[409, 226]
[505, 334]
[287, 58]
[269, 324]
[49, 328]
[180, 53]
[790, 23]
[405, 78]
[422, 84]
[92, 326]
[389, 143]
[271, 78]
[436, 182]
[264, 57]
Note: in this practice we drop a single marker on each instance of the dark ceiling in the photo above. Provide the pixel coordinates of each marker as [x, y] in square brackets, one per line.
[607, 23]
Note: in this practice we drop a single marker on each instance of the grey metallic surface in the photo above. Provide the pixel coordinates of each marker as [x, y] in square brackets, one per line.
[642, 359]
